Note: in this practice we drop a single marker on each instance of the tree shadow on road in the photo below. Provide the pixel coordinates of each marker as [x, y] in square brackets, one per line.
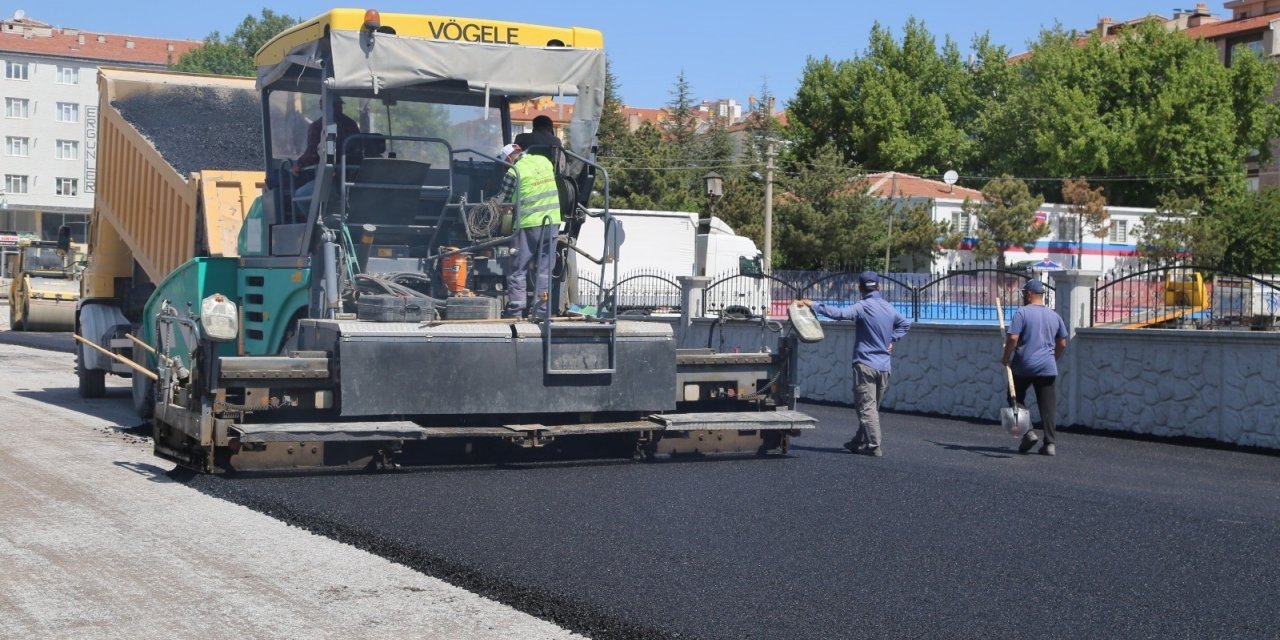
[988, 452]
[108, 408]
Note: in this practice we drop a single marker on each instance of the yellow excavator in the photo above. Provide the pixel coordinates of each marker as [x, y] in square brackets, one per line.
[45, 287]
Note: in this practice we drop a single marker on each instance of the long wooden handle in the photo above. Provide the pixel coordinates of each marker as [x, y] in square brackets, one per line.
[1009, 374]
[135, 366]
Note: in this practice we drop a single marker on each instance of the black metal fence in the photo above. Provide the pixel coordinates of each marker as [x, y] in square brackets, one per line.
[1185, 297]
[958, 296]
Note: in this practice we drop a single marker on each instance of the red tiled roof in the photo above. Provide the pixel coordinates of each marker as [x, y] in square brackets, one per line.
[1232, 27]
[66, 43]
[904, 185]
[526, 111]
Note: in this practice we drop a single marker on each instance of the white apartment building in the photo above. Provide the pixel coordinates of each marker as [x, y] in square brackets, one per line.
[49, 90]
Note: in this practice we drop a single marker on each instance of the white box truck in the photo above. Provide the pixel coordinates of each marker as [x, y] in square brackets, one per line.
[656, 247]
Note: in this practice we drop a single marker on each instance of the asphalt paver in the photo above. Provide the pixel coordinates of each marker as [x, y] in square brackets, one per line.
[951, 535]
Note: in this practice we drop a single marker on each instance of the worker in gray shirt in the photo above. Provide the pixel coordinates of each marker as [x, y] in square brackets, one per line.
[1036, 338]
[878, 326]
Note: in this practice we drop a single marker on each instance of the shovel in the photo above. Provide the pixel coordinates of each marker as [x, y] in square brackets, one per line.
[1014, 418]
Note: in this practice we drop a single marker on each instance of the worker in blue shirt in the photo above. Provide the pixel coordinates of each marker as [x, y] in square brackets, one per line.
[1036, 338]
[878, 326]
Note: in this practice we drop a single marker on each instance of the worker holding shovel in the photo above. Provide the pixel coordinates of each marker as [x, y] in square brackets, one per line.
[1036, 339]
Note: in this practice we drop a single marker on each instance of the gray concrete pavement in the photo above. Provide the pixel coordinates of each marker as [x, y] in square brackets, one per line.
[96, 541]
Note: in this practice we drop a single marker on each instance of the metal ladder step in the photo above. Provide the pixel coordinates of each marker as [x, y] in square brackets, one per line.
[591, 330]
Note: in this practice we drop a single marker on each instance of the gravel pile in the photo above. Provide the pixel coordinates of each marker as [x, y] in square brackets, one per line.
[197, 128]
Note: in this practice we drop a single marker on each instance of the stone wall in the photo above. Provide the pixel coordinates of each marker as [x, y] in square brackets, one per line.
[1221, 385]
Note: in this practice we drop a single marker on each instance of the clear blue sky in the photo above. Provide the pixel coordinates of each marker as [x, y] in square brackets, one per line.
[726, 49]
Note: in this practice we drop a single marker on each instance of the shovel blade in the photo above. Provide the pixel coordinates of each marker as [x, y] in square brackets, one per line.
[1016, 420]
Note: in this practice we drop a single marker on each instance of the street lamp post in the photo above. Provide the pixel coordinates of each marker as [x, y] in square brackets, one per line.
[768, 208]
[714, 191]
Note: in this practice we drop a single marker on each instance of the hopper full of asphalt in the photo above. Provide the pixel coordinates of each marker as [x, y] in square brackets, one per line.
[951, 535]
[198, 128]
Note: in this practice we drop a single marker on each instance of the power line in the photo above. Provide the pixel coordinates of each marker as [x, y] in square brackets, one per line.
[845, 171]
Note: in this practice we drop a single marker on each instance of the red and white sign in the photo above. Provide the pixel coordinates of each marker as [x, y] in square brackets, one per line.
[8, 240]
[1042, 217]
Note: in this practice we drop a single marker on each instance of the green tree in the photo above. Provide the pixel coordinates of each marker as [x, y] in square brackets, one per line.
[612, 131]
[917, 237]
[233, 55]
[1177, 233]
[1153, 111]
[1253, 219]
[216, 57]
[682, 117]
[1006, 219]
[253, 32]
[899, 106]
[825, 217]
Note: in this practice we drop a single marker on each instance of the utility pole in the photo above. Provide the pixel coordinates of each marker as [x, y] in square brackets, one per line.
[768, 208]
[893, 205]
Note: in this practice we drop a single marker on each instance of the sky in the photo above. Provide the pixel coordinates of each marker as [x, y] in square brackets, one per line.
[726, 50]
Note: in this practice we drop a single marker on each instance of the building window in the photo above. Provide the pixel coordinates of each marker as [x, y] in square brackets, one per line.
[16, 108]
[1119, 233]
[15, 184]
[16, 70]
[67, 150]
[68, 112]
[960, 223]
[68, 75]
[1067, 229]
[65, 186]
[1236, 47]
[17, 146]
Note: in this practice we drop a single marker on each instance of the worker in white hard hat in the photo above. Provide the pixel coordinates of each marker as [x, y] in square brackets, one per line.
[537, 220]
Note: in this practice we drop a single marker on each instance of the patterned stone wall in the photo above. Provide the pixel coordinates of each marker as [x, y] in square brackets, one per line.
[1204, 384]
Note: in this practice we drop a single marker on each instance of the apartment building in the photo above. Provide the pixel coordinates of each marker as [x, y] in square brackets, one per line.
[48, 84]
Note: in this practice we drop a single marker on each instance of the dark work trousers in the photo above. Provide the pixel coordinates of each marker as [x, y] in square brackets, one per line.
[869, 386]
[1046, 399]
[530, 246]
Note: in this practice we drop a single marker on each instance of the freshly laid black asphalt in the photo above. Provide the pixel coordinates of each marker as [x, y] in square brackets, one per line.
[951, 535]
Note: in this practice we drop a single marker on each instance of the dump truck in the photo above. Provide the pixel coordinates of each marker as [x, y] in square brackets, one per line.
[44, 290]
[158, 204]
[356, 321]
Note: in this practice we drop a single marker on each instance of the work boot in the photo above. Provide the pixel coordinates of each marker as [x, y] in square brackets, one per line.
[1048, 449]
[853, 445]
[1029, 440]
[868, 450]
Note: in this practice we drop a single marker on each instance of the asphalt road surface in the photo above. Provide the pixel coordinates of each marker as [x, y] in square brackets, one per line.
[951, 535]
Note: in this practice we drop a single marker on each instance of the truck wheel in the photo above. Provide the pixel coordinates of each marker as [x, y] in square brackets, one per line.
[93, 383]
[144, 396]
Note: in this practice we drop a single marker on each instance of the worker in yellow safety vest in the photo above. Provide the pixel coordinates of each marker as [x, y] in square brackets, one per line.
[537, 219]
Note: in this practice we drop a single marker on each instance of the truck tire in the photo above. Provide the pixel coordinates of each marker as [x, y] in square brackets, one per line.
[144, 396]
[93, 383]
